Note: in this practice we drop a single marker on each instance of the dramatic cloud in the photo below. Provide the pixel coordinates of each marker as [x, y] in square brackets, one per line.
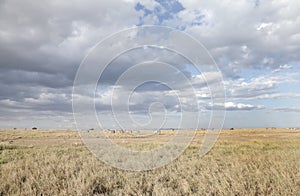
[256, 45]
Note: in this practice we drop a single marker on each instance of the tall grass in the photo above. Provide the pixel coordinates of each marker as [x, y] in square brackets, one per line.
[233, 167]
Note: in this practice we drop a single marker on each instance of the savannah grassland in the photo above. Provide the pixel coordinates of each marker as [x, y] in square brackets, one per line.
[242, 162]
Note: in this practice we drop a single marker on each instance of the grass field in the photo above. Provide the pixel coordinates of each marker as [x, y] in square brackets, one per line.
[242, 162]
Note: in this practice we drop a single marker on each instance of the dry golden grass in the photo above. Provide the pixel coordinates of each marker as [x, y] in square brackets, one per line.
[243, 162]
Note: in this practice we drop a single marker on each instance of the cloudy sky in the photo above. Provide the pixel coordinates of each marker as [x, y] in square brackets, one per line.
[255, 44]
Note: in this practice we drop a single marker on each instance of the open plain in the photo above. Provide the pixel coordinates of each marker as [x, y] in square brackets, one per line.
[242, 162]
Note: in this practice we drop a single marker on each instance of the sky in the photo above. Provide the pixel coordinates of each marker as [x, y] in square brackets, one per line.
[254, 44]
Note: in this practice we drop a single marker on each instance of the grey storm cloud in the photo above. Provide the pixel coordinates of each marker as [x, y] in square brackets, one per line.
[49, 37]
[151, 56]
[42, 45]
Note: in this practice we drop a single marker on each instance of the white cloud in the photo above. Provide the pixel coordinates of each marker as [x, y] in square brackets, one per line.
[230, 106]
[271, 96]
[260, 87]
[269, 30]
[282, 68]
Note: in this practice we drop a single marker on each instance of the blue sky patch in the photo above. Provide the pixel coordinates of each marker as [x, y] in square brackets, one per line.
[165, 10]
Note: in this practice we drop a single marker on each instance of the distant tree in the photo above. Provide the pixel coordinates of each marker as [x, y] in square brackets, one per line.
[34, 128]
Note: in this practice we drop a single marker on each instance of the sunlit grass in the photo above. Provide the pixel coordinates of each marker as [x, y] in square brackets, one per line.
[243, 162]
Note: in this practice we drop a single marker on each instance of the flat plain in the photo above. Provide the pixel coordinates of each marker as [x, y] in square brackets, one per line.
[242, 162]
